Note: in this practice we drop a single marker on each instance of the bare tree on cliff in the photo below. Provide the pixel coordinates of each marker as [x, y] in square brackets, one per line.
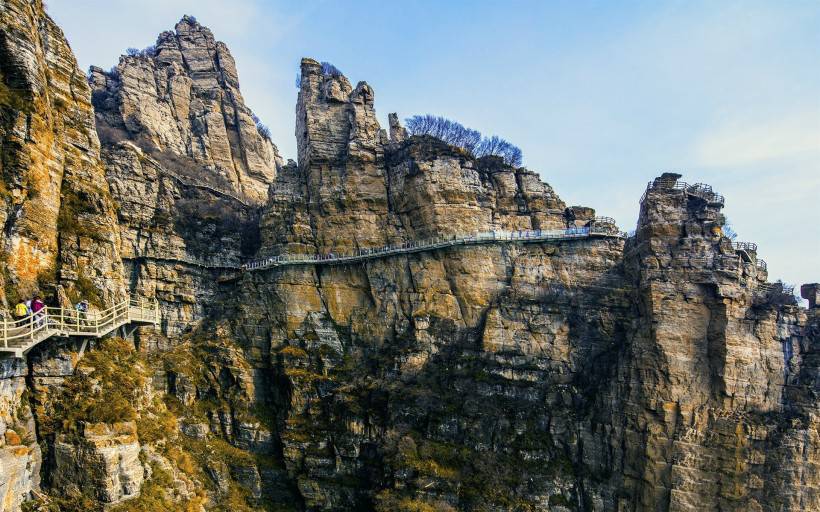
[456, 134]
[329, 69]
[497, 146]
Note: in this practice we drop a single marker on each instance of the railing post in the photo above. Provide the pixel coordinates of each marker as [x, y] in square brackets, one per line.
[5, 333]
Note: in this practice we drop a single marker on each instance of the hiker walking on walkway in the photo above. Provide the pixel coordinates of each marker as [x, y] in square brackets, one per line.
[82, 311]
[21, 310]
[38, 310]
[569, 217]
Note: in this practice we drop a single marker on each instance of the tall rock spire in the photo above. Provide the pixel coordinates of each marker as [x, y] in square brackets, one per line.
[181, 97]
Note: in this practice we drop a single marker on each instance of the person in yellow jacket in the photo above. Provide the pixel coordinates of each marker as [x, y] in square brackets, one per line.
[21, 310]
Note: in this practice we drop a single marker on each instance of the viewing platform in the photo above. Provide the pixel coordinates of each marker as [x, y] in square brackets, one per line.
[700, 190]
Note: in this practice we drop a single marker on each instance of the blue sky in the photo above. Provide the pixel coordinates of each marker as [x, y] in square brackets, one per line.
[600, 96]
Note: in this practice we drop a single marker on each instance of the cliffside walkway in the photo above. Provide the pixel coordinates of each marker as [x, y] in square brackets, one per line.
[19, 336]
[602, 227]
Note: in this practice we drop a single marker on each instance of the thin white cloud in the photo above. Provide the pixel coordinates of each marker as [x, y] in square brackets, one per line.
[749, 141]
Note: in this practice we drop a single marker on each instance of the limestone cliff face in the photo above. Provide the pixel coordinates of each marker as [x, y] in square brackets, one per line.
[60, 232]
[713, 369]
[354, 189]
[658, 372]
[182, 97]
[178, 236]
[57, 212]
[20, 456]
[655, 375]
[188, 167]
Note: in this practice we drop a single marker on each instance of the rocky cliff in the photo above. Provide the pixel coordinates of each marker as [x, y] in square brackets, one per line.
[60, 230]
[181, 98]
[188, 167]
[659, 371]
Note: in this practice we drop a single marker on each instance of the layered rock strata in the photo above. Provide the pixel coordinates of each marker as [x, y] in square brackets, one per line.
[709, 375]
[60, 234]
[59, 223]
[20, 456]
[585, 375]
[179, 238]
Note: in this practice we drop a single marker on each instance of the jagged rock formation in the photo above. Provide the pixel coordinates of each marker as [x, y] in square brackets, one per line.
[706, 375]
[187, 166]
[181, 98]
[660, 372]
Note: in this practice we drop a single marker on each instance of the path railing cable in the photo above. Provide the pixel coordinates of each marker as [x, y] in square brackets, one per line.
[600, 227]
[19, 336]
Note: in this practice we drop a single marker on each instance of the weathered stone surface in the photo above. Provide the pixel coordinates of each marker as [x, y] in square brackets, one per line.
[170, 228]
[811, 292]
[397, 132]
[105, 459]
[56, 208]
[589, 373]
[20, 456]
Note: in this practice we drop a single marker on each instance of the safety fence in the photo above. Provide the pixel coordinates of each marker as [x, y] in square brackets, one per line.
[598, 228]
[746, 246]
[785, 289]
[701, 190]
[20, 336]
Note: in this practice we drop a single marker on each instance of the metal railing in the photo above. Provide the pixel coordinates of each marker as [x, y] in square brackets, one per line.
[598, 227]
[700, 190]
[19, 336]
[604, 220]
[785, 289]
[746, 246]
[593, 230]
[761, 264]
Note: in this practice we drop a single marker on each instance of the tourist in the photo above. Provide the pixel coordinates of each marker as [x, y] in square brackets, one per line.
[38, 310]
[21, 310]
[569, 217]
[82, 311]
